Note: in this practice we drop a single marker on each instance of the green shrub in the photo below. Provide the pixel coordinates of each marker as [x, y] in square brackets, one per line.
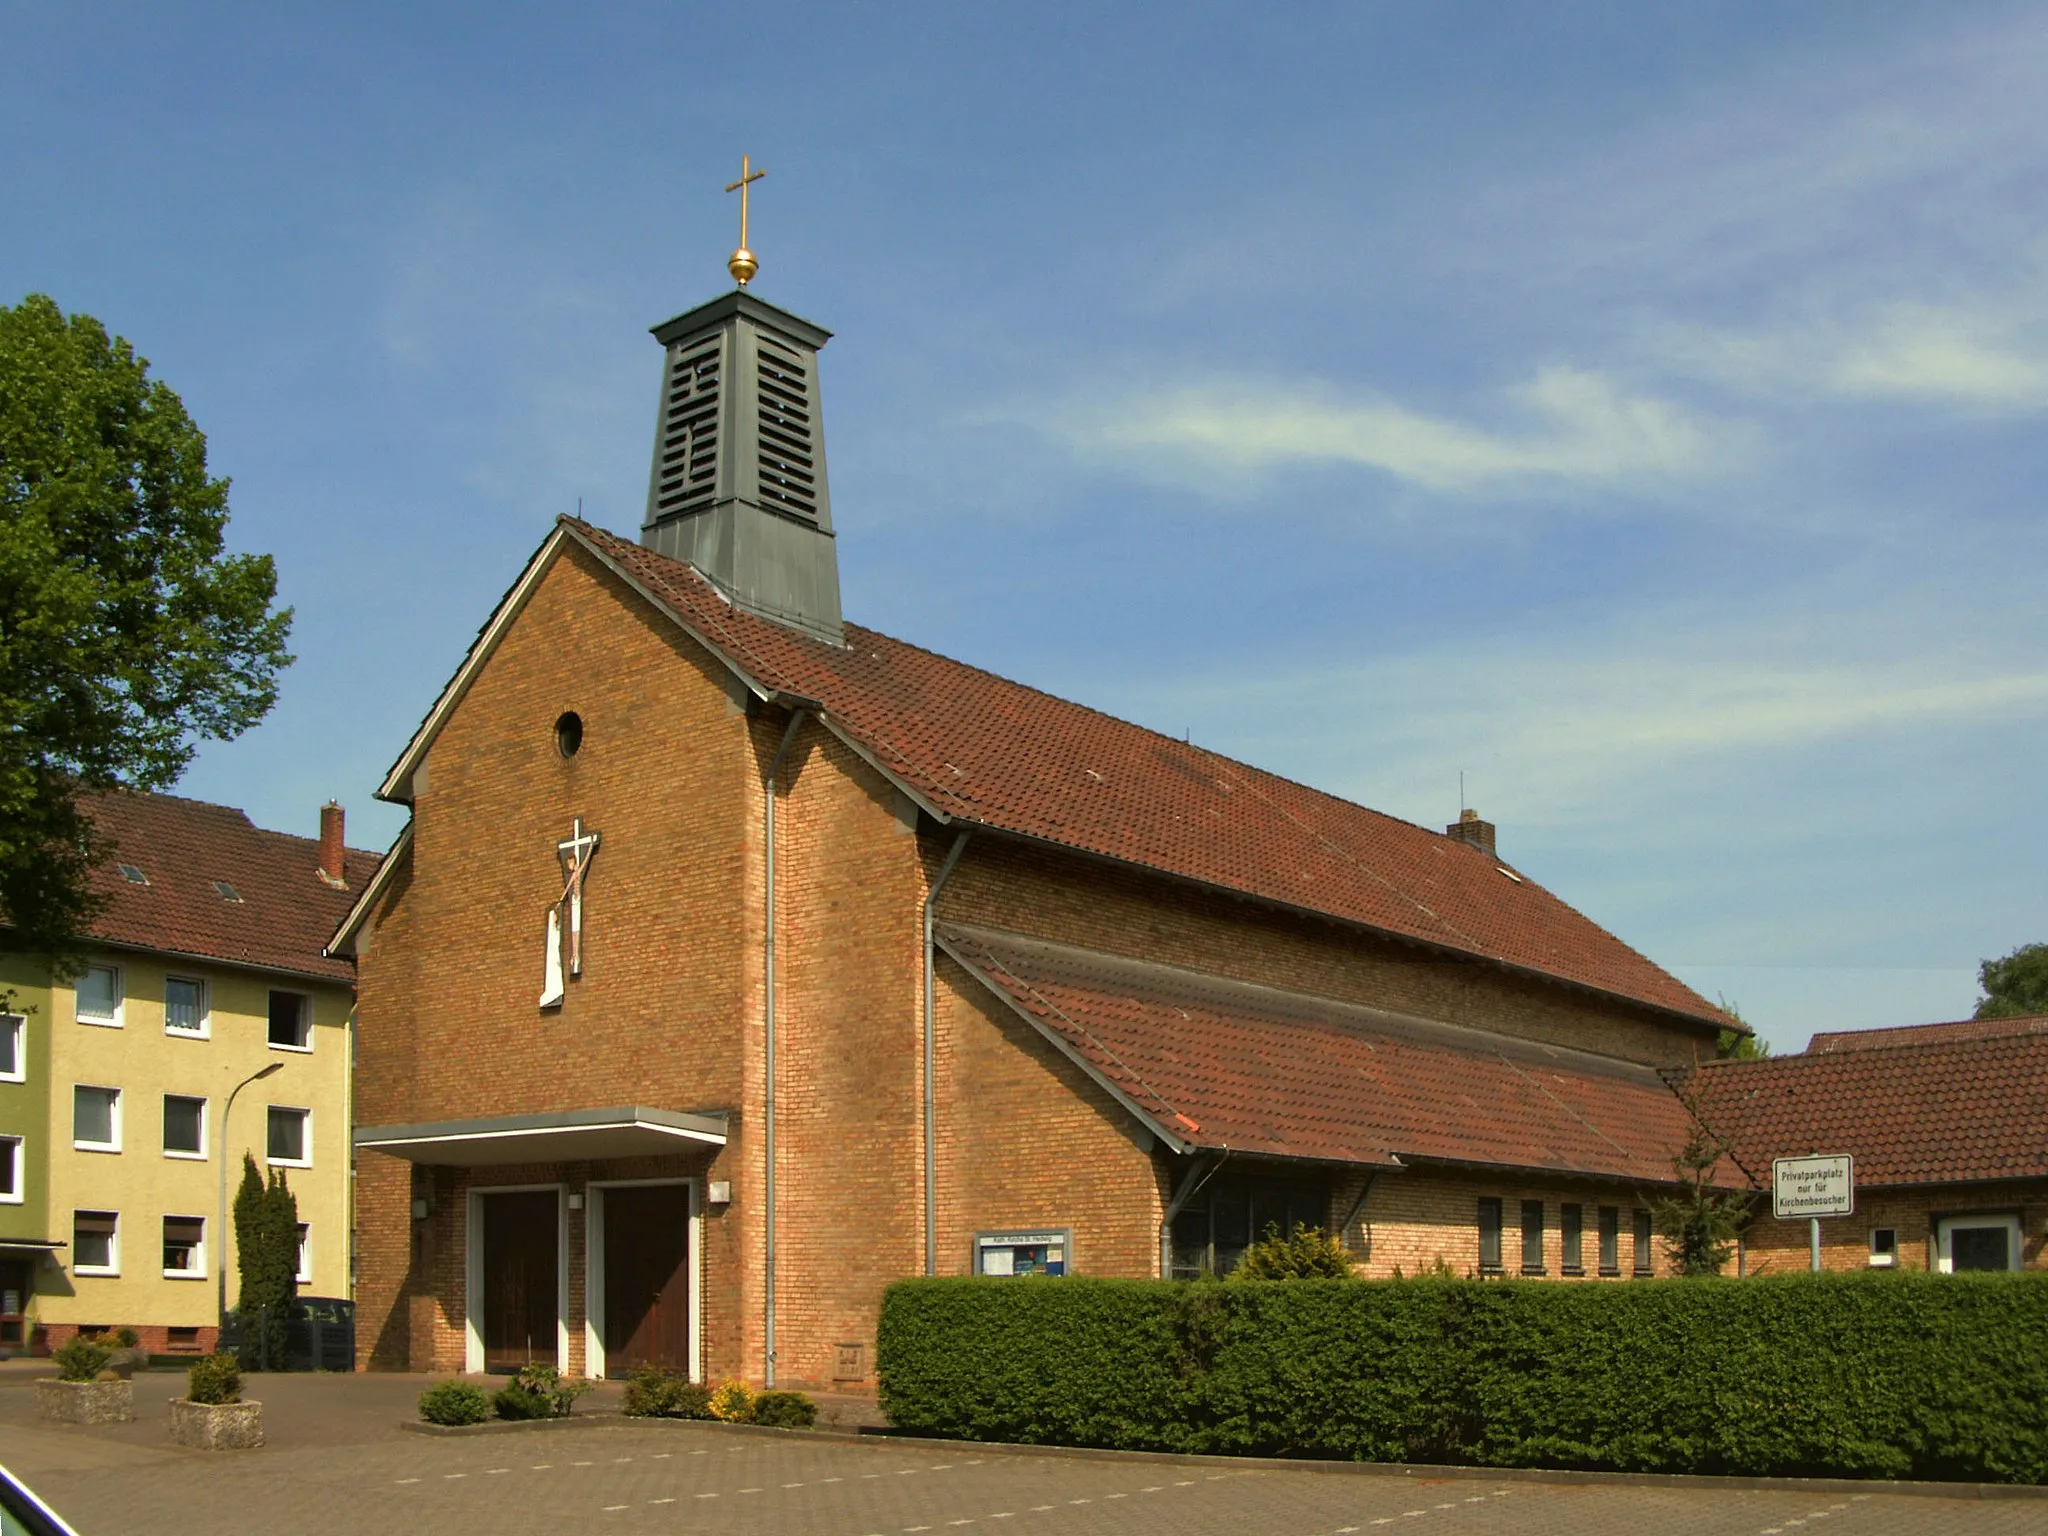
[80, 1359]
[549, 1384]
[126, 1338]
[455, 1402]
[1840, 1375]
[784, 1410]
[732, 1401]
[654, 1393]
[516, 1402]
[214, 1379]
[1306, 1253]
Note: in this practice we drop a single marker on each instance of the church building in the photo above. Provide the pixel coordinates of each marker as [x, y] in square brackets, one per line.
[739, 960]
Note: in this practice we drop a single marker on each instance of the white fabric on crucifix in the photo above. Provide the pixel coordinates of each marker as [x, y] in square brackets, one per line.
[565, 917]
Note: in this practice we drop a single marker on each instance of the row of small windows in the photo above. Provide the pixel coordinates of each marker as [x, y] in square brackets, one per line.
[96, 1126]
[96, 1246]
[187, 1009]
[1572, 1234]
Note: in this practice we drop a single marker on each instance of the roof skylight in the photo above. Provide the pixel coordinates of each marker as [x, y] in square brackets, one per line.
[227, 892]
[132, 875]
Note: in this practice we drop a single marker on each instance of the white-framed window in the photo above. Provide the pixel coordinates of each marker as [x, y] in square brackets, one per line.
[95, 1118]
[288, 1138]
[96, 1242]
[291, 1021]
[1964, 1243]
[12, 1178]
[184, 1247]
[13, 1048]
[305, 1274]
[185, 1008]
[184, 1126]
[96, 996]
[1884, 1247]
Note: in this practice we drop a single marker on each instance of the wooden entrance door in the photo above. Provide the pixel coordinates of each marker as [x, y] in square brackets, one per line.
[522, 1301]
[646, 1277]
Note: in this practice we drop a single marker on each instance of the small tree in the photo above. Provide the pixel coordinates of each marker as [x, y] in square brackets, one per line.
[1306, 1253]
[267, 1253]
[1701, 1222]
[2016, 986]
[1738, 1044]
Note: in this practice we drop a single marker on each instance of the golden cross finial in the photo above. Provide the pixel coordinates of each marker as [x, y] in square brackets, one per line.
[742, 265]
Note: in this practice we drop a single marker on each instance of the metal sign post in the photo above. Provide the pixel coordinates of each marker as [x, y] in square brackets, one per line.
[1813, 1187]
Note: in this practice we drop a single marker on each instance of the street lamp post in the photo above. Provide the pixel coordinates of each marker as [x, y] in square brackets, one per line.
[220, 1231]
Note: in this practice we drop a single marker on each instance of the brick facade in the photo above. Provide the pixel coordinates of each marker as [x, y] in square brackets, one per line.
[669, 1009]
[1782, 1247]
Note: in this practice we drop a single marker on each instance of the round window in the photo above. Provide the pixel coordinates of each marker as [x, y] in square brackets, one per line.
[569, 733]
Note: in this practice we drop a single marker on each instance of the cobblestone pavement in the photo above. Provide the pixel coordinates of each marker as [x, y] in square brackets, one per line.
[337, 1463]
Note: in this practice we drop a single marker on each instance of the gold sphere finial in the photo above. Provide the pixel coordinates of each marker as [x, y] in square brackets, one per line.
[741, 263]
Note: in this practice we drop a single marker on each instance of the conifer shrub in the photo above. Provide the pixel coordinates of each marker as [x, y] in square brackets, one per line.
[655, 1393]
[214, 1379]
[455, 1402]
[733, 1401]
[80, 1358]
[1877, 1375]
[784, 1410]
[517, 1402]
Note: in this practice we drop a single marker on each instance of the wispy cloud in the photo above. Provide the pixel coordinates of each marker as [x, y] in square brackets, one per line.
[1986, 355]
[1564, 425]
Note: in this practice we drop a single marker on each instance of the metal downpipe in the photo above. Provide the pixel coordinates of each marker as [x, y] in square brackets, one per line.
[768, 1050]
[931, 1129]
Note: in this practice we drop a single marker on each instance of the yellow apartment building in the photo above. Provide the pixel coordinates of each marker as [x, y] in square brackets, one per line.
[206, 1024]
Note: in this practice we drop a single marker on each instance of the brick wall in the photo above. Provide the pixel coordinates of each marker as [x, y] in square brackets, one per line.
[452, 969]
[1416, 1219]
[1779, 1247]
[1027, 1139]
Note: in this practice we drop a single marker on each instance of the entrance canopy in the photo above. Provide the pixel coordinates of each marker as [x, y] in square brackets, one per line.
[570, 1135]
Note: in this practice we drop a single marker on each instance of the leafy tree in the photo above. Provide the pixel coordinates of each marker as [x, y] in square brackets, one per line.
[2015, 987]
[267, 1254]
[1306, 1253]
[1700, 1223]
[1738, 1044]
[127, 633]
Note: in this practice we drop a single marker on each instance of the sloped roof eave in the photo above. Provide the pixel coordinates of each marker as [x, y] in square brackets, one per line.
[342, 941]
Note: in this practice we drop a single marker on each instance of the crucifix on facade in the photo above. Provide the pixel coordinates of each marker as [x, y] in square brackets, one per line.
[565, 917]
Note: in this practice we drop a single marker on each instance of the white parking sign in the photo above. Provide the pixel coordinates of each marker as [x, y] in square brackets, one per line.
[1813, 1186]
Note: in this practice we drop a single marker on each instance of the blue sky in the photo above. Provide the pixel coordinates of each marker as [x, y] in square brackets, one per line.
[1636, 410]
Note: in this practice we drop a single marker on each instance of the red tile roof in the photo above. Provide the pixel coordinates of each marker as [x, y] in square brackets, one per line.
[1225, 1064]
[182, 847]
[985, 750]
[1923, 1034]
[1943, 1111]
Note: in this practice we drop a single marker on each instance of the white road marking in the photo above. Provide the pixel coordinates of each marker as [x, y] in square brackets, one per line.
[541, 1466]
[610, 1507]
[451, 1476]
[408, 1479]
[707, 1495]
[792, 1485]
[661, 1455]
[496, 1471]
[1108, 1496]
[831, 1479]
[661, 1501]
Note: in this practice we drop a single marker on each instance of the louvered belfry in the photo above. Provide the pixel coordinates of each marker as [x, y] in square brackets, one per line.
[738, 488]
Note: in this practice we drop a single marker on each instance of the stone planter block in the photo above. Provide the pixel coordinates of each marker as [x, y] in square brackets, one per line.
[126, 1362]
[85, 1402]
[216, 1426]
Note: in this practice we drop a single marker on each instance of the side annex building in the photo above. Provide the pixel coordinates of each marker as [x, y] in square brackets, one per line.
[738, 960]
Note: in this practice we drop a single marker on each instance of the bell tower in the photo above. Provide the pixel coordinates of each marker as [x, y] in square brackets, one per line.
[738, 488]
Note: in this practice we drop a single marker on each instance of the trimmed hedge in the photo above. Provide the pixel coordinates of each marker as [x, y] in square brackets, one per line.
[1879, 1375]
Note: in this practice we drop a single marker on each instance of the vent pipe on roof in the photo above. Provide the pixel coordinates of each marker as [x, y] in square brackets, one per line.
[1468, 828]
[738, 488]
[333, 850]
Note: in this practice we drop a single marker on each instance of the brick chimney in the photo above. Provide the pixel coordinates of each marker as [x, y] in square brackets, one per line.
[333, 851]
[1468, 828]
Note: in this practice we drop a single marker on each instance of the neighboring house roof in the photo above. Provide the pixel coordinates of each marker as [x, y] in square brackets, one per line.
[284, 913]
[978, 749]
[1940, 1111]
[1922, 1034]
[1212, 1064]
